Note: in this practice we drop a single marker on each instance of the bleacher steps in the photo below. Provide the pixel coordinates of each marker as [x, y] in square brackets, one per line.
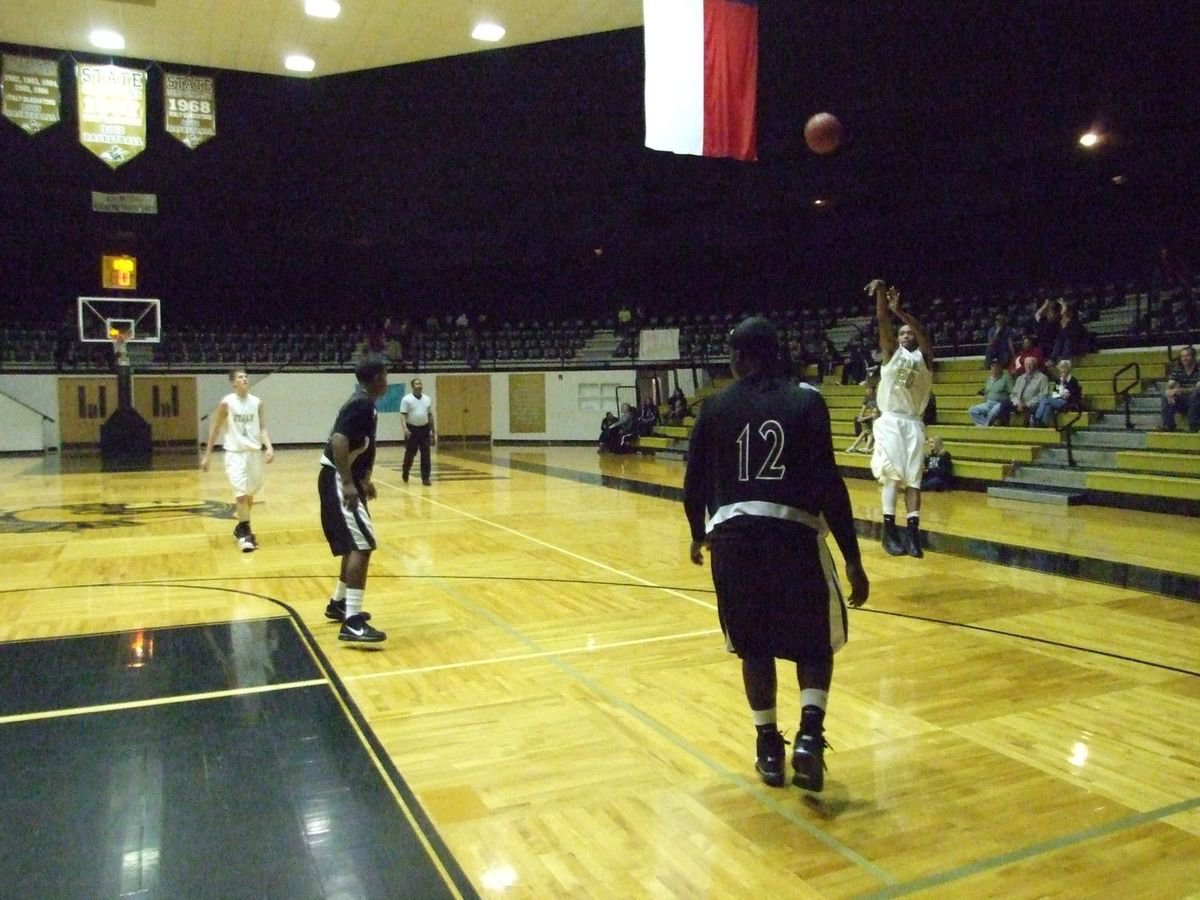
[1047, 476]
[1088, 458]
[1031, 494]
[1096, 438]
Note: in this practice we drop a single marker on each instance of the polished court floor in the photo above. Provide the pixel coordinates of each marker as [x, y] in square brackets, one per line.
[553, 714]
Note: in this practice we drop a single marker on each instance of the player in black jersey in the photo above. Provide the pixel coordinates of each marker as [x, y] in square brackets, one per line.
[344, 486]
[761, 471]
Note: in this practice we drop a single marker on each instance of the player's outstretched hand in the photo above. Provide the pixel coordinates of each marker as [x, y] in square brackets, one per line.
[696, 552]
[349, 496]
[875, 285]
[860, 586]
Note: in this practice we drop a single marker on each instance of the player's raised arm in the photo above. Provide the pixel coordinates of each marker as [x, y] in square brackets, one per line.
[911, 321]
[887, 334]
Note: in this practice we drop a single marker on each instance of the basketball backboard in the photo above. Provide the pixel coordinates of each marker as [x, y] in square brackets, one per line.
[133, 320]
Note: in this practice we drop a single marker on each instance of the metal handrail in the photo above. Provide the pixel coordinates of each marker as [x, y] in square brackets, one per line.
[1065, 430]
[1128, 389]
[45, 418]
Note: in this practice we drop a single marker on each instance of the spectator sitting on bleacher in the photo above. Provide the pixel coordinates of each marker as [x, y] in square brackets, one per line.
[1182, 394]
[996, 393]
[617, 436]
[1067, 396]
[1032, 386]
[647, 417]
[677, 407]
[939, 468]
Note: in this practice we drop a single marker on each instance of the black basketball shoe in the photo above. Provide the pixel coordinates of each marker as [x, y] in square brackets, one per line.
[808, 761]
[356, 630]
[771, 754]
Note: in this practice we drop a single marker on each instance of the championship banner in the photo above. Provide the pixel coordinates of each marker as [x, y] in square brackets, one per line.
[112, 111]
[31, 92]
[190, 108]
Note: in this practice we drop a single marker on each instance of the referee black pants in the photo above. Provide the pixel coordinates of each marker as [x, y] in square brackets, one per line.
[418, 439]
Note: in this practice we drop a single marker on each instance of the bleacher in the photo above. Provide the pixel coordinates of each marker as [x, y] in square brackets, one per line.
[1095, 455]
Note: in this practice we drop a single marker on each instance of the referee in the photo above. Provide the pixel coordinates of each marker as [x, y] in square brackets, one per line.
[761, 471]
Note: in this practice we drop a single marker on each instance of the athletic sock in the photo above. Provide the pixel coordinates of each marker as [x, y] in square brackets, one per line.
[764, 719]
[914, 516]
[339, 593]
[354, 601]
[814, 697]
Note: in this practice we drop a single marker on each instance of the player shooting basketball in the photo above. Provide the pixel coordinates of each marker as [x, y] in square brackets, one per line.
[905, 383]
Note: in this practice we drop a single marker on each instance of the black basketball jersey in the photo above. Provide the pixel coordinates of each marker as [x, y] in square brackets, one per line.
[357, 420]
[763, 446]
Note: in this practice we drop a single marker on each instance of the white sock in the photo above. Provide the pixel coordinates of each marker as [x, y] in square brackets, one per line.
[339, 592]
[763, 716]
[915, 514]
[354, 601]
[888, 497]
[813, 697]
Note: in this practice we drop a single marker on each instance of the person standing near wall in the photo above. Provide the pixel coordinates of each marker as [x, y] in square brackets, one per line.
[416, 416]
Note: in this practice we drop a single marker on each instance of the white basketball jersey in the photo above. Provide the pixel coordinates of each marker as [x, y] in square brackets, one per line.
[242, 430]
[904, 384]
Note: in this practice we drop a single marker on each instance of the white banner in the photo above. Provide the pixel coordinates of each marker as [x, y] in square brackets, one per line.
[658, 344]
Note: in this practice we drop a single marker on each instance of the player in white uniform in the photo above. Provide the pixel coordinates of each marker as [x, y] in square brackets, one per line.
[240, 413]
[905, 383]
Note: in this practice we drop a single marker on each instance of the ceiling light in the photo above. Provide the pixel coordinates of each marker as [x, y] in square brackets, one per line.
[106, 40]
[323, 9]
[298, 63]
[487, 31]
[1089, 139]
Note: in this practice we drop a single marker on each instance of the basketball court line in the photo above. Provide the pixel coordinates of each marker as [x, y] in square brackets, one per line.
[1052, 845]
[522, 657]
[159, 701]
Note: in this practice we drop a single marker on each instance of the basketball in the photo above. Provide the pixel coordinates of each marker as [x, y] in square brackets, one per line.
[823, 133]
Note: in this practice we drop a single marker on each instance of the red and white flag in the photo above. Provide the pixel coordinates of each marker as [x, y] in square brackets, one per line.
[702, 77]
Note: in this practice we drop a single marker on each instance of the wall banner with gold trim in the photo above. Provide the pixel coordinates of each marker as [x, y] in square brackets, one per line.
[31, 92]
[190, 108]
[112, 111]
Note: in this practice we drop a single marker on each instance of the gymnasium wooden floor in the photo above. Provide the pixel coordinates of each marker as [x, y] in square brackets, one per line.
[553, 714]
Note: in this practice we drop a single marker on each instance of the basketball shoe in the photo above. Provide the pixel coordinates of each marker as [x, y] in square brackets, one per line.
[771, 754]
[808, 753]
[356, 630]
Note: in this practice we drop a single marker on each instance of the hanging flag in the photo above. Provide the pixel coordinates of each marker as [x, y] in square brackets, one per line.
[190, 108]
[31, 92]
[112, 111]
[702, 77]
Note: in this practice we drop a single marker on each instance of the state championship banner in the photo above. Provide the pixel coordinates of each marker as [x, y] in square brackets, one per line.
[31, 92]
[190, 108]
[702, 77]
[112, 111]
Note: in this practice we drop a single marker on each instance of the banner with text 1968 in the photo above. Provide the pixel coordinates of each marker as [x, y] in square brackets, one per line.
[190, 108]
[31, 92]
[112, 111]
